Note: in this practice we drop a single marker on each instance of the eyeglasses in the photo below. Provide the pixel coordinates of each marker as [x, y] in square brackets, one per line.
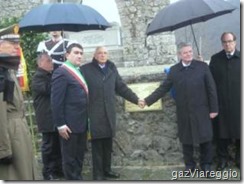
[228, 41]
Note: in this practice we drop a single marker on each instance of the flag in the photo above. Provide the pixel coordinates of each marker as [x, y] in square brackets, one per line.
[22, 73]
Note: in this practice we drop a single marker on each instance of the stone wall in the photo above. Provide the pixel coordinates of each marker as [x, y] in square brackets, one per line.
[140, 50]
[13, 8]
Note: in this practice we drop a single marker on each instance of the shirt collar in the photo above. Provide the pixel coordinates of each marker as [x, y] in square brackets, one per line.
[230, 53]
[185, 65]
[102, 65]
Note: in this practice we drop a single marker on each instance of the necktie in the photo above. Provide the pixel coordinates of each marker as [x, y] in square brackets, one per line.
[228, 55]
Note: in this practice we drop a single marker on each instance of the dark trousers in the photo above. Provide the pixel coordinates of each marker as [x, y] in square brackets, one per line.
[101, 157]
[222, 150]
[51, 154]
[206, 155]
[73, 151]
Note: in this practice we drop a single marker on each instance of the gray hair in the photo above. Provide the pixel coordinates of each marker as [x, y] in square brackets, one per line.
[183, 44]
[42, 56]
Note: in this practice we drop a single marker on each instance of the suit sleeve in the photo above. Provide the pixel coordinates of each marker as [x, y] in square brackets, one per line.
[41, 84]
[211, 91]
[123, 90]
[160, 91]
[58, 91]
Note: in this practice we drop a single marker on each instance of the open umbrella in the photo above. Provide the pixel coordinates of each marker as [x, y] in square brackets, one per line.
[64, 16]
[187, 12]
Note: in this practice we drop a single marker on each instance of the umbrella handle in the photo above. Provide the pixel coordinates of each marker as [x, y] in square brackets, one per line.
[195, 41]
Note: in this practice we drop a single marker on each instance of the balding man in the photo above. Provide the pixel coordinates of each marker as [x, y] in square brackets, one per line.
[41, 91]
[104, 82]
[226, 69]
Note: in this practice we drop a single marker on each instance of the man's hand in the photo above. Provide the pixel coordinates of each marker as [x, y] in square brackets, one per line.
[64, 132]
[213, 114]
[141, 103]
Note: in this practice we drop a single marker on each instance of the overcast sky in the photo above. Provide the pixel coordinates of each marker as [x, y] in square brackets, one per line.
[107, 8]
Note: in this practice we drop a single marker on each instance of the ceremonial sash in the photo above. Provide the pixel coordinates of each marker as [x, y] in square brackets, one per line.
[76, 74]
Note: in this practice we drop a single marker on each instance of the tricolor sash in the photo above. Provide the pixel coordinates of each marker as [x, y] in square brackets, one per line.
[76, 74]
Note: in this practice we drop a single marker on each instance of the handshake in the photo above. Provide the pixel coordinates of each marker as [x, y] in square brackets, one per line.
[141, 103]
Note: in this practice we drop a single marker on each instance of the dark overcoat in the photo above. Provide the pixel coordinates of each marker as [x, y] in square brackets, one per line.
[103, 87]
[68, 101]
[41, 91]
[227, 76]
[196, 97]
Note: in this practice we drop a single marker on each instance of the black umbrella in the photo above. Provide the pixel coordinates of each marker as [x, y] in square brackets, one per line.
[187, 12]
[64, 16]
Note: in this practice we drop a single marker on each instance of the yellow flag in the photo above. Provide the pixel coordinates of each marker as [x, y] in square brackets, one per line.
[22, 73]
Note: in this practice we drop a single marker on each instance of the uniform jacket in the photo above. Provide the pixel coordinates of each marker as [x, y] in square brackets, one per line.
[103, 88]
[58, 53]
[23, 166]
[68, 101]
[41, 90]
[227, 76]
[195, 95]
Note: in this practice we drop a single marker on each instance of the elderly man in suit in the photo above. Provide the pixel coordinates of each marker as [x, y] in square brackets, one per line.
[69, 100]
[41, 91]
[104, 82]
[196, 105]
[226, 69]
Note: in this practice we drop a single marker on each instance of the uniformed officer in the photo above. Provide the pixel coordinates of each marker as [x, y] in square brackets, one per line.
[55, 47]
[16, 152]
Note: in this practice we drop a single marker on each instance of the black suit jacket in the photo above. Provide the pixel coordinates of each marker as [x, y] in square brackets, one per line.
[41, 91]
[69, 101]
[195, 98]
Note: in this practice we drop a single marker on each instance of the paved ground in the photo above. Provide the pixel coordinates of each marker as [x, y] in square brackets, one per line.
[164, 173]
[167, 173]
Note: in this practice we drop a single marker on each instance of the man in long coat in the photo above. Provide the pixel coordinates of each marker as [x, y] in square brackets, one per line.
[20, 165]
[104, 82]
[196, 104]
[226, 69]
[41, 91]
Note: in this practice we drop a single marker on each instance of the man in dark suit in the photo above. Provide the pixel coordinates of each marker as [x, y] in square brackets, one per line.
[196, 105]
[41, 91]
[69, 100]
[226, 69]
[104, 82]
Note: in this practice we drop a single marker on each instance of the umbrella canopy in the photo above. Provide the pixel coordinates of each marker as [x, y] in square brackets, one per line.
[65, 17]
[187, 12]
